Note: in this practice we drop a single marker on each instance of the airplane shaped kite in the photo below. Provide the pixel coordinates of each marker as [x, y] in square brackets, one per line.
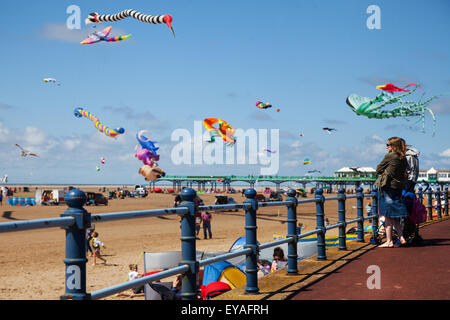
[24, 152]
[103, 36]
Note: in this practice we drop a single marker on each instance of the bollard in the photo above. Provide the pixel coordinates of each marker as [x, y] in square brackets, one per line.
[375, 239]
[341, 218]
[446, 201]
[292, 232]
[430, 204]
[438, 202]
[188, 249]
[320, 215]
[360, 214]
[75, 276]
[251, 267]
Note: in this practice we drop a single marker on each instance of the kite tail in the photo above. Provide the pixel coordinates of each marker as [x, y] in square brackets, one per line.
[96, 17]
[119, 38]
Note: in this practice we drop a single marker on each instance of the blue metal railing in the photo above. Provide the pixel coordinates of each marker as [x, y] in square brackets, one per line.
[75, 220]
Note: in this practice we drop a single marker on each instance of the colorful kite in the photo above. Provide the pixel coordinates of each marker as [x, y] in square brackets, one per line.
[225, 130]
[268, 150]
[147, 144]
[80, 112]
[301, 135]
[24, 152]
[151, 173]
[306, 161]
[372, 108]
[96, 18]
[102, 160]
[52, 80]
[148, 154]
[262, 105]
[103, 36]
[391, 88]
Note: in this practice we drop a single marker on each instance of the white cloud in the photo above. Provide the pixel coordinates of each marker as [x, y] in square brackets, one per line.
[445, 153]
[4, 133]
[34, 136]
[71, 144]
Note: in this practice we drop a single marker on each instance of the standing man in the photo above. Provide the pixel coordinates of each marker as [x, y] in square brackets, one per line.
[412, 157]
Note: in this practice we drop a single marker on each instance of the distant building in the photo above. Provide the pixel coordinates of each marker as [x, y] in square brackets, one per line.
[353, 172]
[434, 175]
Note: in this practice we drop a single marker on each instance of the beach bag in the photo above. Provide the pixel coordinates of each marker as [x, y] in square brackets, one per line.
[418, 212]
[214, 289]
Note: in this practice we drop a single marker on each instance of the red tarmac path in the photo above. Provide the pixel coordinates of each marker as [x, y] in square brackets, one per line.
[407, 273]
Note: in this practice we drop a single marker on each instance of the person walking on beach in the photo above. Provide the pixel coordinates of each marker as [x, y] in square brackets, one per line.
[206, 220]
[391, 180]
[198, 224]
[96, 245]
[89, 233]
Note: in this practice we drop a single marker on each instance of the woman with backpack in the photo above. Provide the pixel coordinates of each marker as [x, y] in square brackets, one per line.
[391, 181]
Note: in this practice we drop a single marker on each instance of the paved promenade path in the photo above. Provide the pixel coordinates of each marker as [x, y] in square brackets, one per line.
[407, 273]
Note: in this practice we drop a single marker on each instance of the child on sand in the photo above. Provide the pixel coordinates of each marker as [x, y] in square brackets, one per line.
[132, 275]
[96, 245]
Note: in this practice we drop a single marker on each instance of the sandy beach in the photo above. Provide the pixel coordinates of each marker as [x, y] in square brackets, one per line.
[32, 265]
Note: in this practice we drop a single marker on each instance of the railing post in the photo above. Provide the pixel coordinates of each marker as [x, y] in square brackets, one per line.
[438, 202]
[320, 221]
[375, 239]
[75, 275]
[251, 267]
[292, 232]
[360, 214]
[341, 218]
[420, 191]
[430, 203]
[446, 201]
[188, 249]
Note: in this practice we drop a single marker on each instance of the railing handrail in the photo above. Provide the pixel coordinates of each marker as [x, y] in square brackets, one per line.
[76, 219]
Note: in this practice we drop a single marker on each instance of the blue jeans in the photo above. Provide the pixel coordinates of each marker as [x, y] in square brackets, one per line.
[391, 203]
[207, 227]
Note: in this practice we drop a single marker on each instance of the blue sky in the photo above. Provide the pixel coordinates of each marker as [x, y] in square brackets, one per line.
[304, 57]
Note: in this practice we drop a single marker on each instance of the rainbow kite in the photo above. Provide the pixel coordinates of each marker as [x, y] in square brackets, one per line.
[225, 130]
[103, 36]
[80, 112]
